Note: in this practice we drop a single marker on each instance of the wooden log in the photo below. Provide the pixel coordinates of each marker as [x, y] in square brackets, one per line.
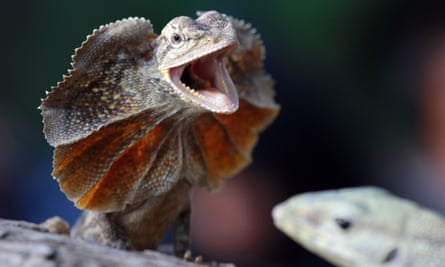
[27, 244]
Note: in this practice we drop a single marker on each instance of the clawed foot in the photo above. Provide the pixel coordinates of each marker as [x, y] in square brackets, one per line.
[101, 228]
[188, 257]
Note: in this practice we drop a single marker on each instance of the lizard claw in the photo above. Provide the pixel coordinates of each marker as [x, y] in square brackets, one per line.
[188, 257]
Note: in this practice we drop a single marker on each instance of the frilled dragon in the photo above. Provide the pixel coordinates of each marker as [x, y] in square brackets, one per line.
[142, 118]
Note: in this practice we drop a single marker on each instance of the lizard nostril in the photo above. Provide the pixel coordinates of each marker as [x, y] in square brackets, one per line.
[390, 256]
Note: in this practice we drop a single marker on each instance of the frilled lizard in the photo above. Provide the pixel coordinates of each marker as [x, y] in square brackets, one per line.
[141, 119]
[364, 227]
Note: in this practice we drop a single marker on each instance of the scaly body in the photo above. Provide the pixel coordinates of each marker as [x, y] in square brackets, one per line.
[142, 118]
[364, 227]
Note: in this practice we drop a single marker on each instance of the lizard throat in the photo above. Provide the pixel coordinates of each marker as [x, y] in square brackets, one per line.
[207, 83]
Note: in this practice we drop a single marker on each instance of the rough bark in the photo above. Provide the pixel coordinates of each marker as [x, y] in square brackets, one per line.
[28, 244]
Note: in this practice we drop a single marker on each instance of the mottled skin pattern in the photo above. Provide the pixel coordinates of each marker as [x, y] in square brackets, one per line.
[364, 227]
[142, 118]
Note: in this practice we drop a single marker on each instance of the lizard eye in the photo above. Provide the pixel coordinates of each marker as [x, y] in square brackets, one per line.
[176, 39]
[343, 223]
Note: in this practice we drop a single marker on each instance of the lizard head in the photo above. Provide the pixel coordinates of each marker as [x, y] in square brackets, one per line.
[347, 227]
[190, 56]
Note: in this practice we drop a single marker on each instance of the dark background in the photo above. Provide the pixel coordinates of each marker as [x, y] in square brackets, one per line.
[351, 77]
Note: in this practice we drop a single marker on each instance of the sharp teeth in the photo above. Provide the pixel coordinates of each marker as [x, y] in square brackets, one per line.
[189, 88]
[192, 91]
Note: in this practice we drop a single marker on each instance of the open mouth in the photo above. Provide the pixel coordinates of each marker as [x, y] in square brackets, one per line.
[206, 82]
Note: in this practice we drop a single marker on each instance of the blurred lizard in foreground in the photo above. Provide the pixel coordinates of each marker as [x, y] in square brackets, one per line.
[364, 227]
[142, 118]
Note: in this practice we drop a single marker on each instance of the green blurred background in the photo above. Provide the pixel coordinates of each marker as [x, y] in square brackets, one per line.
[349, 76]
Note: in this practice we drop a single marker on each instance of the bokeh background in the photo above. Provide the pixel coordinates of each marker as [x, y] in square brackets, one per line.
[362, 90]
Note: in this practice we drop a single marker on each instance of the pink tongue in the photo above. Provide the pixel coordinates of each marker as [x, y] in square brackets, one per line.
[224, 93]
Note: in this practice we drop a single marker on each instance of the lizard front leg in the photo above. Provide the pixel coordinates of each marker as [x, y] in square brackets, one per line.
[181, 232]
[141, 226]
[102, 228]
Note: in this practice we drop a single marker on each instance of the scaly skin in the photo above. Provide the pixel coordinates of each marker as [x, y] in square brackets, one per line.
[364, 227]
[142, 118]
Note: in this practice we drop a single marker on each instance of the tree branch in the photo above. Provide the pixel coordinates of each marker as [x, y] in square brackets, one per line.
[27, 244]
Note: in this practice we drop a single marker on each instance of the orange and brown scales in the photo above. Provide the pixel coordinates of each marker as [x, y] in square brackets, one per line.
[130, 140]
